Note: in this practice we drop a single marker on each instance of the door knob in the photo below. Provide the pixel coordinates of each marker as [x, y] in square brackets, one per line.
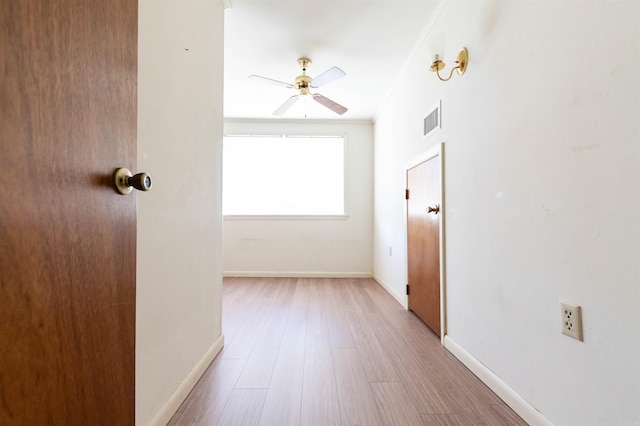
[125, 181]
[435, 209]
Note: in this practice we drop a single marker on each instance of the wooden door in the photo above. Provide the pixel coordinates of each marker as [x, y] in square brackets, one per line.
[423, 238]
[68, 82]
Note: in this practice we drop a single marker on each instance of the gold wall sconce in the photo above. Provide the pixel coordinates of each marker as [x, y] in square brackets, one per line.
[461, 64]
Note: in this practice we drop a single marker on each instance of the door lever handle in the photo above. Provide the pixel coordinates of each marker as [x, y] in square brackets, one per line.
[435, 209]
[125, 181]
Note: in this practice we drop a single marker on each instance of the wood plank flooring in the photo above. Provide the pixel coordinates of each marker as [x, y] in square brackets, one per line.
[302, 351]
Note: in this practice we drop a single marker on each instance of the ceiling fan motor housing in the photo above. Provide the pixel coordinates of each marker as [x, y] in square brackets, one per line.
[302, 81]
[302, 84]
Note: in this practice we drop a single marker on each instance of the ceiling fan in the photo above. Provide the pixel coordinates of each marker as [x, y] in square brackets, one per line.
[304, 83]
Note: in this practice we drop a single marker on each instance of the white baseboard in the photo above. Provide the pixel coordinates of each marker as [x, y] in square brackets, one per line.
[173, 403]
[525, 410]
[402, 299]
[295, 274]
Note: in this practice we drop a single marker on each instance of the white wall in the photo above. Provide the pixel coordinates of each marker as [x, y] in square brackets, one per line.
[542, 199]
[333, 247]
[179, 221]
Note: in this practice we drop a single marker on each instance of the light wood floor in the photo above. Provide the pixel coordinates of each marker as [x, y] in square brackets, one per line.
[302, 351]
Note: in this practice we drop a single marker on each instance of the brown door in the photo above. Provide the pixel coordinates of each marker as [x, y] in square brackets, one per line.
[423, 237]
[67, 240]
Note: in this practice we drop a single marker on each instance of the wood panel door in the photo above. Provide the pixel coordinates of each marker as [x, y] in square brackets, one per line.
[68, 83]
[423, 240]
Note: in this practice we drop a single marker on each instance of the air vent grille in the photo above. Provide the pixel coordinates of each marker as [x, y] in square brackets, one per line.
[431, 122]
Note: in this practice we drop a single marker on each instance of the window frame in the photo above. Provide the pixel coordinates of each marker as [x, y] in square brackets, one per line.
[311, 217]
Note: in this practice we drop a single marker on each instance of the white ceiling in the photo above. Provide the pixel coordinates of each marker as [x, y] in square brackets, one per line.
[370, 40]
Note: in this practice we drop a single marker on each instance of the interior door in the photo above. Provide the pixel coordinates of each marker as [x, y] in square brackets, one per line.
[68, 82]
[423, 238]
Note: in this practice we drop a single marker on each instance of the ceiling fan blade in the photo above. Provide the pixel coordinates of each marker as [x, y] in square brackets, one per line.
[272, 81]
[285, 106]
[333, 106]
[328, 76]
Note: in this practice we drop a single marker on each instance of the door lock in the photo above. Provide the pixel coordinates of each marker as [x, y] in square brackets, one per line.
[435, 209]
[125, 181]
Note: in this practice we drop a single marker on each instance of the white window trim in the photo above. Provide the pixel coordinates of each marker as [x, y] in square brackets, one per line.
[270, 217]
[284, 217]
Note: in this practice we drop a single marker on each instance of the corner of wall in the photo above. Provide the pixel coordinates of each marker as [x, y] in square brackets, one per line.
[525, 410]
[164, 415]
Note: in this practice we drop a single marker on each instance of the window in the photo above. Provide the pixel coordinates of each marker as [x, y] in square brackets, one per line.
[283, 175]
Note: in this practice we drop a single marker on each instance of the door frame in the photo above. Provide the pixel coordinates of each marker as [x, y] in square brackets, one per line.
[435, 151]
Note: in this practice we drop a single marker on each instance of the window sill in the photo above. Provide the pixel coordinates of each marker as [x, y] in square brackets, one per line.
[285, 217]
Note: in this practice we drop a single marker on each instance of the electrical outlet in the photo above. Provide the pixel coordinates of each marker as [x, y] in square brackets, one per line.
[571, 320]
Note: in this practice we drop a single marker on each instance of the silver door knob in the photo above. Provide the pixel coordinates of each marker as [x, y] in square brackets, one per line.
[435, 209]
[125, 181]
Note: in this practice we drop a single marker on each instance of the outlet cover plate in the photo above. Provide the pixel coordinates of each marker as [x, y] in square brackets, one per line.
[571, 315]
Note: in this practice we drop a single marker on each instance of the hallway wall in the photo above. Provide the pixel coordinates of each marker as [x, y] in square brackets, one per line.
[542, 146]
[179, 221]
